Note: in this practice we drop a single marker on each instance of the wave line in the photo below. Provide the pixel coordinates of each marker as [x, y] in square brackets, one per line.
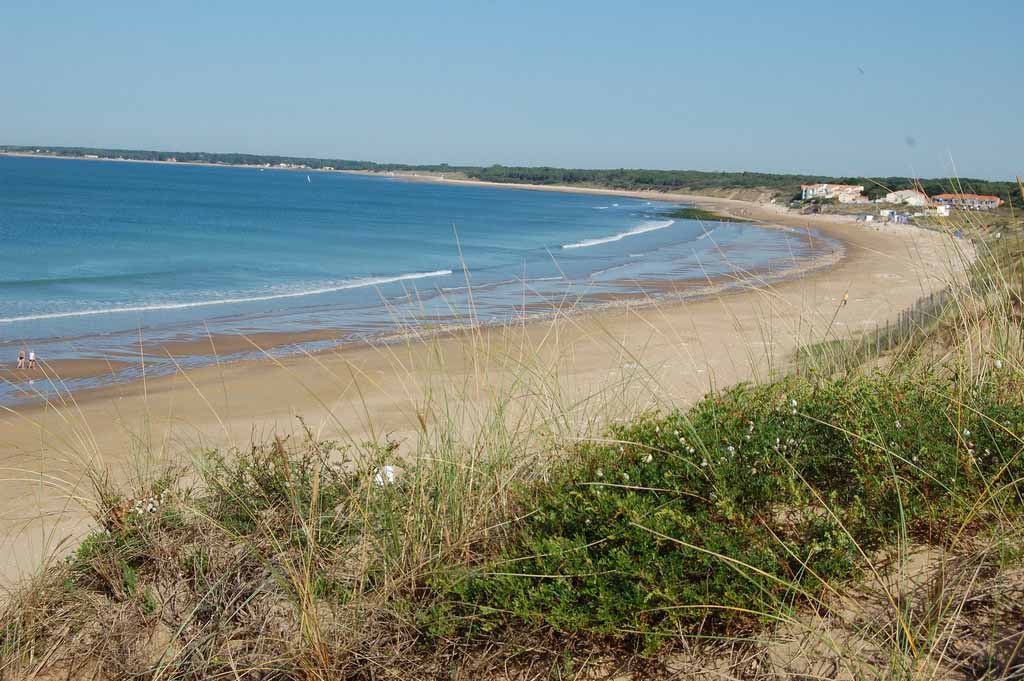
[642, 229]
[355, 283]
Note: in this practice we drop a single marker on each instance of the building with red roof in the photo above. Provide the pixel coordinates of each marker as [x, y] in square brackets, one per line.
[968, 201]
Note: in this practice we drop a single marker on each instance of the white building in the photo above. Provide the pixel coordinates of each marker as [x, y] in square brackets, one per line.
[968, 201]
[910, 197]
[844, 193]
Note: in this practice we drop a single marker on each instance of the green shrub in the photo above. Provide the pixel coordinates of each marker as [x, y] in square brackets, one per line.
[754, 500]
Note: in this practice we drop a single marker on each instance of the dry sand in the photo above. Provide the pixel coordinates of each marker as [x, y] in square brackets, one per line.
[676, 351]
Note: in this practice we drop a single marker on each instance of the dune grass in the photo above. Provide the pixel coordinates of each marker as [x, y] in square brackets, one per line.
[844, 521]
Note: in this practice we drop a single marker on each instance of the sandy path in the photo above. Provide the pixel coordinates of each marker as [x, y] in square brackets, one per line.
[683, 347]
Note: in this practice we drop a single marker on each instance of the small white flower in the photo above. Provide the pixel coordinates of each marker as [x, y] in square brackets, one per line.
[384, 476]
[657, 429]
[599, 473]
[967, 433]
[676, 433]
[691, 450]
[704, 463]
[732, 450]
[898, 424]
[792, 403]
[649, 458]
[625, 476]
[999, 364]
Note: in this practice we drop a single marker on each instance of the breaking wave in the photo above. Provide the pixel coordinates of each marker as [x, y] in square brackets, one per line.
[641, 229]
[341, 286]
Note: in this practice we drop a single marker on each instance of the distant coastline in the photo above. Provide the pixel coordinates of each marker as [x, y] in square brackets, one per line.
[783, 186]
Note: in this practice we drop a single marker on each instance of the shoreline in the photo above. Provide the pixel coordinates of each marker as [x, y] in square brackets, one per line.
[93, 379]
[161, 358]
[360, 391]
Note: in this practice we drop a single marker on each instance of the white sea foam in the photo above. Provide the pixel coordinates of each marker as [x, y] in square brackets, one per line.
[342, 286]
[641, 229]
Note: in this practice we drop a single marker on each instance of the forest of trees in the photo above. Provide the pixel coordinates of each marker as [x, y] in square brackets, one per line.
[786, 186]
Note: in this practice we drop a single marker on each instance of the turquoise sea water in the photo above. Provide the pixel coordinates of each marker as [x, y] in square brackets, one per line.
[96, 253]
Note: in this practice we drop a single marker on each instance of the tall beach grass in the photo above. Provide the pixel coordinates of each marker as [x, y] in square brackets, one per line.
[859, 517]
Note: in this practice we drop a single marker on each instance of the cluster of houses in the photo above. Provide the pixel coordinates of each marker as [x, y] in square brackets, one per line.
[941, 203]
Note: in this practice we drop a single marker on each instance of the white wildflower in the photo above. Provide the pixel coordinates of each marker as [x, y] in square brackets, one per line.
[898, 424]
[649, 458]
[792, 403]
[999, 364]
[599, 473]
[385, 475]
[967, 433]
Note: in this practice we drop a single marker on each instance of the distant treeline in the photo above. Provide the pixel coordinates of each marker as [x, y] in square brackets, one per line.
[785, 186]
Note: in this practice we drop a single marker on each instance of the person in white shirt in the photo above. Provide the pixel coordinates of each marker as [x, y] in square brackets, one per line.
[31, 359]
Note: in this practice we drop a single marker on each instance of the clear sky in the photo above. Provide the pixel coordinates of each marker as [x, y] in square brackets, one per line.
[882, 88]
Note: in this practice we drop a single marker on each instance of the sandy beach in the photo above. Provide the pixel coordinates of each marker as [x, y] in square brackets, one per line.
[664, 354]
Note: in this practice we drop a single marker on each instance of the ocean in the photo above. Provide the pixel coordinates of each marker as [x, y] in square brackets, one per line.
[98, 254]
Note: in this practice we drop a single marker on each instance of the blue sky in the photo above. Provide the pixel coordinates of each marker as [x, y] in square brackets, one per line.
[893, 88]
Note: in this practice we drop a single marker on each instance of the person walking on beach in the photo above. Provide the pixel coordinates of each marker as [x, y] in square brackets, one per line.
[21, 359]
[31, 360]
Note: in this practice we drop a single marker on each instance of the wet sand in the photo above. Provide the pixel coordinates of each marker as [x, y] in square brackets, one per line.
[61, 370]
[674, 351]
[216, 345]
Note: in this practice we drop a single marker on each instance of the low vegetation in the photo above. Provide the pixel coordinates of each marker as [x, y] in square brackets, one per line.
[858, 519]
